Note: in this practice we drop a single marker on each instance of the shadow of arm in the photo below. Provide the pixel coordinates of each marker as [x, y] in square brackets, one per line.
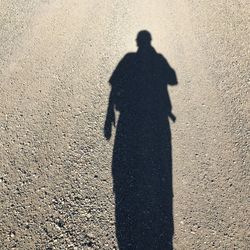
[110, 117]
[172, 77]
[168, 72]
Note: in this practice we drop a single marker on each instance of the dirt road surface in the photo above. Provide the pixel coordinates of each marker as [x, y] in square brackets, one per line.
[56, 58]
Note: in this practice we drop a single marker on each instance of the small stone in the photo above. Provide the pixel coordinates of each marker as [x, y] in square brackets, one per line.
[60, 223]
[12, 234]
[91, 236]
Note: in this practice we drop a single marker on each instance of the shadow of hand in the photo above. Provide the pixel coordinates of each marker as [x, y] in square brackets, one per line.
[172, 117]
[110, 120]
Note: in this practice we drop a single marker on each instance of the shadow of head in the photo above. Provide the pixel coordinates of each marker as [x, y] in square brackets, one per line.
[143, 39]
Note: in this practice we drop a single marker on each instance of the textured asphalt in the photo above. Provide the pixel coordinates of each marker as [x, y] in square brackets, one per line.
[56, 57]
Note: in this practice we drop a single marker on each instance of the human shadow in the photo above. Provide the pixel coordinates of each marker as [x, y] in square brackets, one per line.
[142, 153]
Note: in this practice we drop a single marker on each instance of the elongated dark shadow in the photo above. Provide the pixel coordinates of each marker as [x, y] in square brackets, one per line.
[142, 154]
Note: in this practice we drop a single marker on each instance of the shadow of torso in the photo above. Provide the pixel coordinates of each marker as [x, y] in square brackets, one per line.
[142, 155]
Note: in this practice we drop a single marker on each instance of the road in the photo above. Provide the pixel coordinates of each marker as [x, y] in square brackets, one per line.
[56, 59]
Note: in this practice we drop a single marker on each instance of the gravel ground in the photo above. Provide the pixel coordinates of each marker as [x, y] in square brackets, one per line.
[56, 58]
